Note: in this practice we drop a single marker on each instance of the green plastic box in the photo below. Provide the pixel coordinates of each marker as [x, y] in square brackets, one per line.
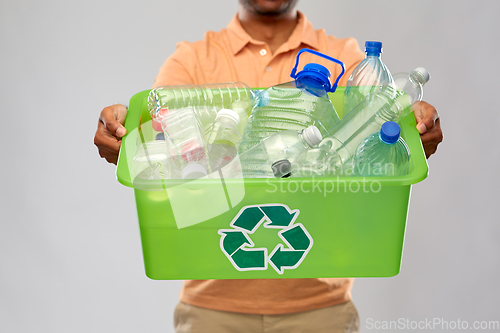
[270, 228]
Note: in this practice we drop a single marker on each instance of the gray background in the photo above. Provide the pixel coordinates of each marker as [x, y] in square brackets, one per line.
[70, 253]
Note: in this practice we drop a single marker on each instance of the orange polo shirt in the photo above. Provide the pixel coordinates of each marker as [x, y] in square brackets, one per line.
[231, 55]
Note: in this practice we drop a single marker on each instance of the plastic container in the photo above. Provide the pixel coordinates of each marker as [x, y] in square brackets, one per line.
[367, 77]
[382, 154]
[206, 100]
[152, 161]
[320, 227]
[294, 105]
[387, 104]
[223, 138]
[277, 155]
[186, 144]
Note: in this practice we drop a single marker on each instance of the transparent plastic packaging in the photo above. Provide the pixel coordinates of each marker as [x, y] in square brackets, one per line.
[206, 100]
[294, 105]
[185, 141]
[387, 104]
[152, 161]
[367, 77]
[223, 138]
[383, 153]
[277, 155]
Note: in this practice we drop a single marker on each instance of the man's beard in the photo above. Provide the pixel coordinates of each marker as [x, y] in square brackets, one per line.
[255, 8]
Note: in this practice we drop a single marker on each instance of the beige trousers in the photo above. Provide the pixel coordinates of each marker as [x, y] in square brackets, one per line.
[342, 318]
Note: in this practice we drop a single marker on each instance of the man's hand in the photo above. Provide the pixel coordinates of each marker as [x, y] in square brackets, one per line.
[110, 131]
[429, 126]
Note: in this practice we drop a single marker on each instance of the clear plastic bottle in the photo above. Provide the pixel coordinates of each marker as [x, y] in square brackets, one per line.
[206, 100]
[152, 161]
[387, 104]
[367, 77]
[382, 154]
[277, 155]
[294, 105]
[223, 138]
[186, 144]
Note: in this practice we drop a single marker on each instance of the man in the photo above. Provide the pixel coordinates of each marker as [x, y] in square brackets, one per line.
[259, 48]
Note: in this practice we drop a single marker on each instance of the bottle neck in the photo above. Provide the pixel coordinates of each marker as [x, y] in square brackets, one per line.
[227, 121]
[373, 55]
[303, 141]
[417, 77]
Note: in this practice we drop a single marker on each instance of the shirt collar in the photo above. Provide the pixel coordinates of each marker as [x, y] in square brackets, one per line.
[303, 33]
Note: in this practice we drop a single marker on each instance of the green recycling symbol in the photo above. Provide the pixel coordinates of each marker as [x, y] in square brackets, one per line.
[239, 248]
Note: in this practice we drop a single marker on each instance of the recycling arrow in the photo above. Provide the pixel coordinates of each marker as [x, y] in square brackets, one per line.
[239, 248]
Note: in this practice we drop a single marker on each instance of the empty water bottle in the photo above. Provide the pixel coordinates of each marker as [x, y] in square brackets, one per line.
[223, 138]
[382, 154]
[387, 104]
[186, 143]
[206, 100]
[152, 161]
[294, 105]
[277, 155]
[367, 77]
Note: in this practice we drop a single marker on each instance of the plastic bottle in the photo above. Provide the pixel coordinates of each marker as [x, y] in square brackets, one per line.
[277, 155]
[387, 104]
[223, 138]
[206, 100]
[152, 161]
[294, 105]
[186, 144]
[367, 77]
[382, 154]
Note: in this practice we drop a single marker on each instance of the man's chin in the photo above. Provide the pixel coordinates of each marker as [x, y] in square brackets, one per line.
[269, 7]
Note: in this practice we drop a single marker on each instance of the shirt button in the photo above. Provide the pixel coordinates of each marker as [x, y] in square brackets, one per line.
[263, 52]
[268, 68]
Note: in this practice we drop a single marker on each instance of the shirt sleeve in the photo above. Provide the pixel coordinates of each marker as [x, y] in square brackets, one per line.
[178, 69]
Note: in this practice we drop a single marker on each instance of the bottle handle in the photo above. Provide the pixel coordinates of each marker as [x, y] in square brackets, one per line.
[334, 86]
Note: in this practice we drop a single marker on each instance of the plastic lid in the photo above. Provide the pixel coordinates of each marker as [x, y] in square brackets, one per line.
[194, 171]
[390, 132]
[282, 169]
[160, 136]
[373, 48]
[426, 76]
[312, 135]
[229, 114]
[315, 74]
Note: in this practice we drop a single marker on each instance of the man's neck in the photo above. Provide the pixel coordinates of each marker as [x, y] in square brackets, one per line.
[269, 29]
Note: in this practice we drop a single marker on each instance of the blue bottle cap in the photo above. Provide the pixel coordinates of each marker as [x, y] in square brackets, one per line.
[390, 132]
[373, 48]
[315, 78]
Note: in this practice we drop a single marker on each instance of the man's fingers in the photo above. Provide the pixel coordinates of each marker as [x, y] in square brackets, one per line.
[433, 136]
[426, 116]
[113, 118]
[105, 140]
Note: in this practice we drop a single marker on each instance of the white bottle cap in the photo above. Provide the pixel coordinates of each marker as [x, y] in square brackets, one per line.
[194, 171]
[230, 114]
[424, 73]
[312, 136]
